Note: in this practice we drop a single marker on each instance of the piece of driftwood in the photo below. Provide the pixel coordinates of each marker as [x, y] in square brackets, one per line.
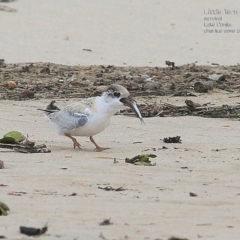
[26, 147]
[224, 111]
[154, 109]
[184, 93]
[203, 87]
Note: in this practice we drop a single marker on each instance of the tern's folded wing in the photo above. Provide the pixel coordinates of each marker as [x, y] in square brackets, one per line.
[69, 121]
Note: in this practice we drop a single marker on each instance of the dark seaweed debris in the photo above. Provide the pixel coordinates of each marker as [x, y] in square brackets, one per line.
[49, 80]
[176, 139]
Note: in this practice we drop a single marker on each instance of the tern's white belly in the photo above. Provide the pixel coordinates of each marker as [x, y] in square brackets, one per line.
[93, 127]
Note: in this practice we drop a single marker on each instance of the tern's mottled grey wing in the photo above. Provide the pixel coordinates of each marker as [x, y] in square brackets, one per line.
[68, 121]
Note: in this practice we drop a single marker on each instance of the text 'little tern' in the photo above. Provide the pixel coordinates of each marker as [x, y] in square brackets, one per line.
[91, 116]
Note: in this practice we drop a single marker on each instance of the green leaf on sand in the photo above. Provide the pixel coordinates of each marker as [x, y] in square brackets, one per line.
[4, 209]
[141, 160]
[12, 137]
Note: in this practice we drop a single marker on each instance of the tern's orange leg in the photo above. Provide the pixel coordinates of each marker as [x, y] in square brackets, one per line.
[75, 142]
[98, 148]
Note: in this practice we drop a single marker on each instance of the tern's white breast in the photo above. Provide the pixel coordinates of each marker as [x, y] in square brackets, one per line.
[99, 117]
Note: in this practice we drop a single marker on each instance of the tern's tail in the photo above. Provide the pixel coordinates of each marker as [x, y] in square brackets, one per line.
[51, 108]
[47, 111]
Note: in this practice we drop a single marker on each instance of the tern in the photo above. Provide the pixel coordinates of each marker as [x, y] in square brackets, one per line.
[90, 116]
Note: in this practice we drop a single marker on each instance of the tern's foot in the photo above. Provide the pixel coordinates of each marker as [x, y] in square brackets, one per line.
[76, 144]
[100, 149]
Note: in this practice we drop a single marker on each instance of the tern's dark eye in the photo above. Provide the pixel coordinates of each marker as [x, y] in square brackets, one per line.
[116, 94]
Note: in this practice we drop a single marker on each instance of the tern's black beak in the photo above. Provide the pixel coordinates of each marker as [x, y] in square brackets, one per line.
[132, 104]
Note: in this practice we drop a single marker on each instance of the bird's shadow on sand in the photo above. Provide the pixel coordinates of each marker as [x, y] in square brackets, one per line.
[57, 148]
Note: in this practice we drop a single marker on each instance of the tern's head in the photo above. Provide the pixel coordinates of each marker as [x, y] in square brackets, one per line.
[120, 96]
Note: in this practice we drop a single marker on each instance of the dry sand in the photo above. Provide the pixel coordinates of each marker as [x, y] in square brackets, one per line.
[132, 32]
[156, 203]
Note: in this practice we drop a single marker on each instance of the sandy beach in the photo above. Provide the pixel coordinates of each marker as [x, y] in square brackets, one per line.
[133, 33]
[155, 204]
[193, 191]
